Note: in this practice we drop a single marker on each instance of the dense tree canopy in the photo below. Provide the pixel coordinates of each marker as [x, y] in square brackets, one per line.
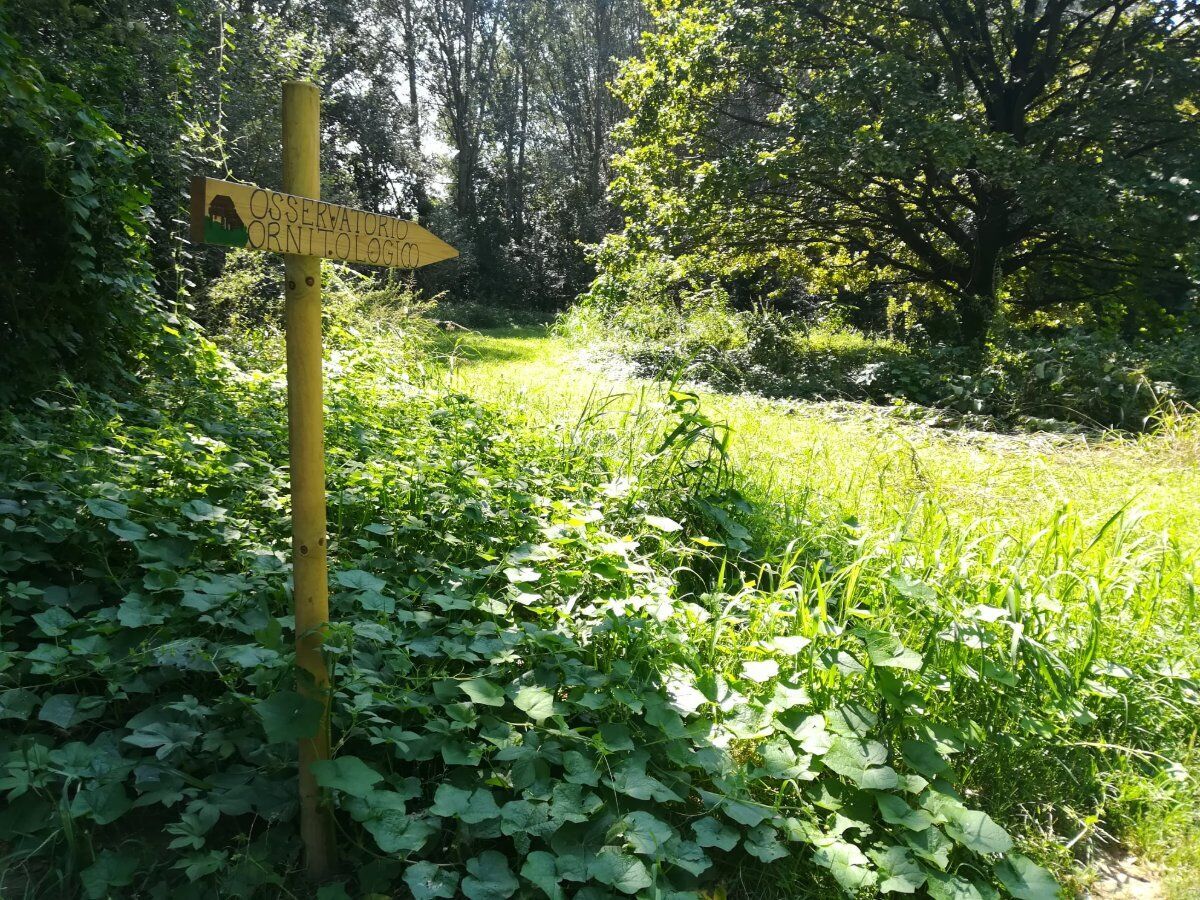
[947, 153]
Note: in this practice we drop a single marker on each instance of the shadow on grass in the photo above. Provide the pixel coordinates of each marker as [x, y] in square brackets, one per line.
[493, 345]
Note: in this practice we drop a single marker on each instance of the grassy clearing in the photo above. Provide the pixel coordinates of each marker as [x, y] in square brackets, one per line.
[856, 459]
[1096, 538]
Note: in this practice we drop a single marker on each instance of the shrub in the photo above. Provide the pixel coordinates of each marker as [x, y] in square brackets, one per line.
[77, 290]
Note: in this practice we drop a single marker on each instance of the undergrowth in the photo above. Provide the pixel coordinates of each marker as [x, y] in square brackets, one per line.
[1026, 380]
[570, 662]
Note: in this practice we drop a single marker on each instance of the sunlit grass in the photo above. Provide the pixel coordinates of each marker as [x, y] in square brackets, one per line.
[858, 460]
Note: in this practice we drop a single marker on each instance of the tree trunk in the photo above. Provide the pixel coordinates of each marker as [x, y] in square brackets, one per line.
[518, 213]
[978, 297]
[975, 312]
[420, 194]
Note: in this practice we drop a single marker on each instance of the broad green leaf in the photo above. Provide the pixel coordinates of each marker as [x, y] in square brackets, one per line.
[347, 774]
[787, 696]
[630, 778]
[110, 870]
[852, 720]
[202, 511]
[396, 831]
[791, 644]
[373, 601]
[615, 737]
[379, 800]
[976, 830]
[128, 531]
[750, 721]
[287, 716]
[762, 842]
[886, 651]
[620, 871]
[849, 867]
[524, 817]
[711, 833]
[568, 803]
[1026, 880]
[470, 807]
[760, 670]
[951, 887]
[812, 736]
[522, 574]
[662, 523]
[105, 803]
[54, 621]
[745, 813]
[17, 703]
[427, 881]
[107, 509]
[913, 589]
[862, 762]
[136, 612]
[536, 702]
[490, 878]
[539, 869]
[163, 737]
[250, 656]
[645, 834]
[779, 760]
[483, 692]
[580, 769]
[924, 757]
[198, 865]
[69, 710]
[931, 845]
[358, 580]
[896, 811]
[688, 855]
[902, 874]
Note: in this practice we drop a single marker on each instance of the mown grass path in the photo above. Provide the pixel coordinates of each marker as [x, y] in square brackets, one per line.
[859, 460]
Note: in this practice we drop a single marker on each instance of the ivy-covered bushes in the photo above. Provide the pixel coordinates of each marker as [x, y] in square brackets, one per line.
[77, 289]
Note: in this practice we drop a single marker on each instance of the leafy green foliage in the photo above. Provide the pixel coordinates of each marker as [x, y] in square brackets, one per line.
[1026, 378]
[942, 158]
[76, 293]
[488, 740]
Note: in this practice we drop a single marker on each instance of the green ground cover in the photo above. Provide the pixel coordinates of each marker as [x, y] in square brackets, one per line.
[587, 643]
[860, 460]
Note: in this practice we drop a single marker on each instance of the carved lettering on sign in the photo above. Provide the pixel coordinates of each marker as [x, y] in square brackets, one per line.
[242, 215]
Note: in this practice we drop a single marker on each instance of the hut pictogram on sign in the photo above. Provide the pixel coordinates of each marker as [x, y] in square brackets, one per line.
[222, 211]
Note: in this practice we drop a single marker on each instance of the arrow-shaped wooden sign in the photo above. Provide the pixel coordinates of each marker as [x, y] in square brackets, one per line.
[243, 215]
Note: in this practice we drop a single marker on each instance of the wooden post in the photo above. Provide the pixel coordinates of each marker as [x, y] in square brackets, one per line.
[302, 177]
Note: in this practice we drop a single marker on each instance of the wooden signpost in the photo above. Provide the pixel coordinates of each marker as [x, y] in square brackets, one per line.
[298, 224]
